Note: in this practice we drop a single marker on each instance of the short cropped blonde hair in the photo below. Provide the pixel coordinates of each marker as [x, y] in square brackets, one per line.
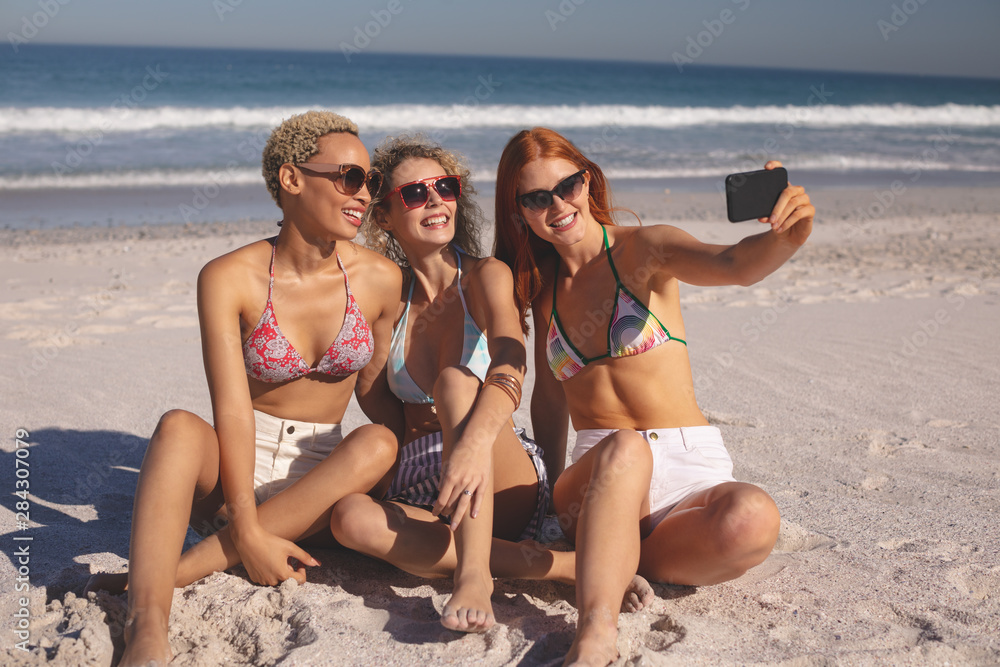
[469, 219]
[294, 142]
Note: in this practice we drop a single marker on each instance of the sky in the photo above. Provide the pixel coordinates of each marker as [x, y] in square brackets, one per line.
[936, 37]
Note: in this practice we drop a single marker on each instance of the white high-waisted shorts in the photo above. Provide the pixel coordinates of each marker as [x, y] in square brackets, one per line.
[288, 449]
[285, 451]
[686, 460]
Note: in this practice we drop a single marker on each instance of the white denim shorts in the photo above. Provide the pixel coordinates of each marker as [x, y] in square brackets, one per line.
[288, 449]
[285, 451]
[686, 460]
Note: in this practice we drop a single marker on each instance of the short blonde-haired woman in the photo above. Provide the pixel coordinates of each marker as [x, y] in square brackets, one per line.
[269, 469]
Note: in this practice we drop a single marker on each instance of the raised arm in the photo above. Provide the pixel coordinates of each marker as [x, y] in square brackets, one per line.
[469, 464]
[745, 263]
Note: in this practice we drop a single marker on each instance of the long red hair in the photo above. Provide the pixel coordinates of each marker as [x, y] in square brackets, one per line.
[515, 244]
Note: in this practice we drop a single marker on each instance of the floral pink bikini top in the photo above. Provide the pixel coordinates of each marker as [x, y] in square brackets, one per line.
[269, 357]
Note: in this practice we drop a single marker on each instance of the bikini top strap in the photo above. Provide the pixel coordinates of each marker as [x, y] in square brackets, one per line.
[270, 270]
[458, 260]
[611, 263]
[409, 298]
[347, 282]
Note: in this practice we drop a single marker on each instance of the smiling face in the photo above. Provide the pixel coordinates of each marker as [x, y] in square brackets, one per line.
[430, 224]
[321, 199]
[563, 222]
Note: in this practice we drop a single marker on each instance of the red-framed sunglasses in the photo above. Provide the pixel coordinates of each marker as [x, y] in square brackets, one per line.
[418, 193]
[349, 178]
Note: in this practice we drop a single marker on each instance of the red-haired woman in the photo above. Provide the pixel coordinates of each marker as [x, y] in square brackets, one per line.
[650, 487]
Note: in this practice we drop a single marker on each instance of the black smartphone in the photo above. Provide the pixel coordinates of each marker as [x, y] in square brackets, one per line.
[753, 194]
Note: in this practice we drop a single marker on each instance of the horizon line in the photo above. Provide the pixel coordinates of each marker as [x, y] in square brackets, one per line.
[695, 66]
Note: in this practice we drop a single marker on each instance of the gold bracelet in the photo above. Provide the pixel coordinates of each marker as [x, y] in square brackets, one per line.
[510, 394]
[509, 384]
[506, 389]
[507, 380]
[507, 377]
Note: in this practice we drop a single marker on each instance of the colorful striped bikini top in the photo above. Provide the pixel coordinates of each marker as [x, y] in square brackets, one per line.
[269, 357]
[633, 329]
[475, 351]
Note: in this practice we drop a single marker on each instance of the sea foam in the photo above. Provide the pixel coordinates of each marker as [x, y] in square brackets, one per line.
[71, 120]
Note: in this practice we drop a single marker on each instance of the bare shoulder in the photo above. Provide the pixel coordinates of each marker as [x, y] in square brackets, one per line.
[375, 268]
[237, 266]
[650, 245]
[488, 281]
[646, 236]
[489, 271]
[375, 279]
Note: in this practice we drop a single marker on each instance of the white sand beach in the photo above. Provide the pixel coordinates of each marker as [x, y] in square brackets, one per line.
[858, 385]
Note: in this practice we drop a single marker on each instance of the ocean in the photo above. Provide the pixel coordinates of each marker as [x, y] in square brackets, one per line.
[129, 135]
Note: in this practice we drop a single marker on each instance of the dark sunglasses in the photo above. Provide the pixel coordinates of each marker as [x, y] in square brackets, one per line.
[417, 193]
[351, 177]
[567, 188]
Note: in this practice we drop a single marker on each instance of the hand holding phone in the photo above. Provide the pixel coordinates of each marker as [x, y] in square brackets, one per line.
[751, 195]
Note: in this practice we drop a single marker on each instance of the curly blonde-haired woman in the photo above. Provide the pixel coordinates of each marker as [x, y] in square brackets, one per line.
[269, 469]
[456, 363]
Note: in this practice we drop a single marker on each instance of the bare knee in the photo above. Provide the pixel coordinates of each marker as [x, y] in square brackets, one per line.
[381, 445]
[352, 518]
[456, 382]
[181, 432]
[625, 454]
[176, 421]
[747, 529]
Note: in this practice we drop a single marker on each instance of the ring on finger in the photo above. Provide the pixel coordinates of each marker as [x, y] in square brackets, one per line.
[467, 492]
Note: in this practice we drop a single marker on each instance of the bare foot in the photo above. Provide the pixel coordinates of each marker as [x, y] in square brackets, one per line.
[596, 642]
[146, 643]
[638, 595]
[116, 584]
[469, 609]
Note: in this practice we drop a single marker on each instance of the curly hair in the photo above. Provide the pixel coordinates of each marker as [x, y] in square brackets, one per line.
[294, 142]
[392, 152]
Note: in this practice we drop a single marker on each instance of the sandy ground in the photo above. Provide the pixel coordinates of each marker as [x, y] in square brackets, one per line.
[858, 385]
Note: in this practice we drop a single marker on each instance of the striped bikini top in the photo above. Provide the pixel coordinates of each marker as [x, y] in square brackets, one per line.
[269, 357]
[633, 329]
[475, 351]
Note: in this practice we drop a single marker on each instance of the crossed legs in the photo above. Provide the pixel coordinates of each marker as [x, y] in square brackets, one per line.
[179, 482]
[417, 542]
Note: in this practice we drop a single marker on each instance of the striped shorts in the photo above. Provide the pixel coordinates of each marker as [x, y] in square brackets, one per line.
[419, 476]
